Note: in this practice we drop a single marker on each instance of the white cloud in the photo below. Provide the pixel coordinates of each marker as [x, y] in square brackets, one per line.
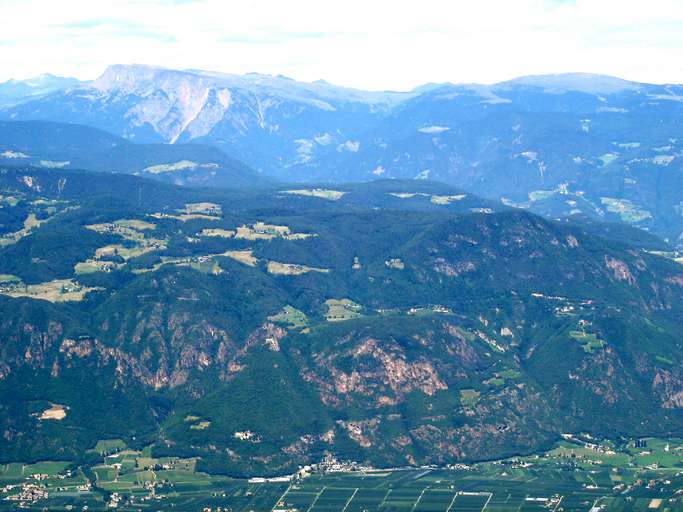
[433, 129]
[381, 44]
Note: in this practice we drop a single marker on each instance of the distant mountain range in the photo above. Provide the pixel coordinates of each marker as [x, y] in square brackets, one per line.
[70, 146]
[17, 91]
[578, 145]
[264, 120]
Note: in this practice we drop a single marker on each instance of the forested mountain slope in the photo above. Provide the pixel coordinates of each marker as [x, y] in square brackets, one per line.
[69, 146]
[395, 322]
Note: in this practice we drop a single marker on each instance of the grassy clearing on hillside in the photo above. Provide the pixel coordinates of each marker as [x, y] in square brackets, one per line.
[205, 264]
[127, 253]
[218, 232]
[203, 207]
[608, 158]
[408, 195]
[510, 374]
[91, 266]
[31, 223]
[128, 229]
[443, 200]
[589, 342]
[339, 310]
[137, 224]
[54, 412]
[434, 199]
[193, 211]
[9, 200]
[290, 316]
[504, 377]
[59, 290]
[107, 446]
[292, 269]
[250, 233]
[182, 165]
[330, 195]
[263, 231]
[469, 397]
[183, 217]
[625, 209]
[131, 230]
[49, 467]
[540, 195]
[245, 257]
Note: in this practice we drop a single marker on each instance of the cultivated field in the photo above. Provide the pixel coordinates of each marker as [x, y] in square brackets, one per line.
[263, 231]
[245, 257]
[91, 265]
[625, 209]
[59, 290]
[131, 230]
[31, 222]
[192, 211]
[292, 317]
[580, 474]
[217, 232]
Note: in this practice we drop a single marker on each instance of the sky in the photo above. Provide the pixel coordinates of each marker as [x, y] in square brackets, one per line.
[367, 44]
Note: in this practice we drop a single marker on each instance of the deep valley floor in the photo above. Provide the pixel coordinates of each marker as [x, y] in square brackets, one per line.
[580, 474]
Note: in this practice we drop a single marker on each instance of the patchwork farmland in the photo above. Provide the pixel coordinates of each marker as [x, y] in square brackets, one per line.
[577, 475]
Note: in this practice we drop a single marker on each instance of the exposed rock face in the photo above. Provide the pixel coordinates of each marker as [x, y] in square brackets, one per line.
[40, 343]
[160, 342]
[303, 444]
[621, 270]
[168, 101]
[163, 363]
[603, 375]
[126, 366]
[677, 280]
[458, 346]
[361, 431]
[380, 371]
[669, 385]
[248, 113]
[268, 334]
[453, 270]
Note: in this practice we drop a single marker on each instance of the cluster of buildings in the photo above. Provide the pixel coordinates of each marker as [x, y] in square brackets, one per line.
[328, 465]
[114, 500]
[331, 465]
[437, 308]
[459, 467]
[28, 493]
[247, 435]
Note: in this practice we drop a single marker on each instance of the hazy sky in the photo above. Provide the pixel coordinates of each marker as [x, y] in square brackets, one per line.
[372, 44]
